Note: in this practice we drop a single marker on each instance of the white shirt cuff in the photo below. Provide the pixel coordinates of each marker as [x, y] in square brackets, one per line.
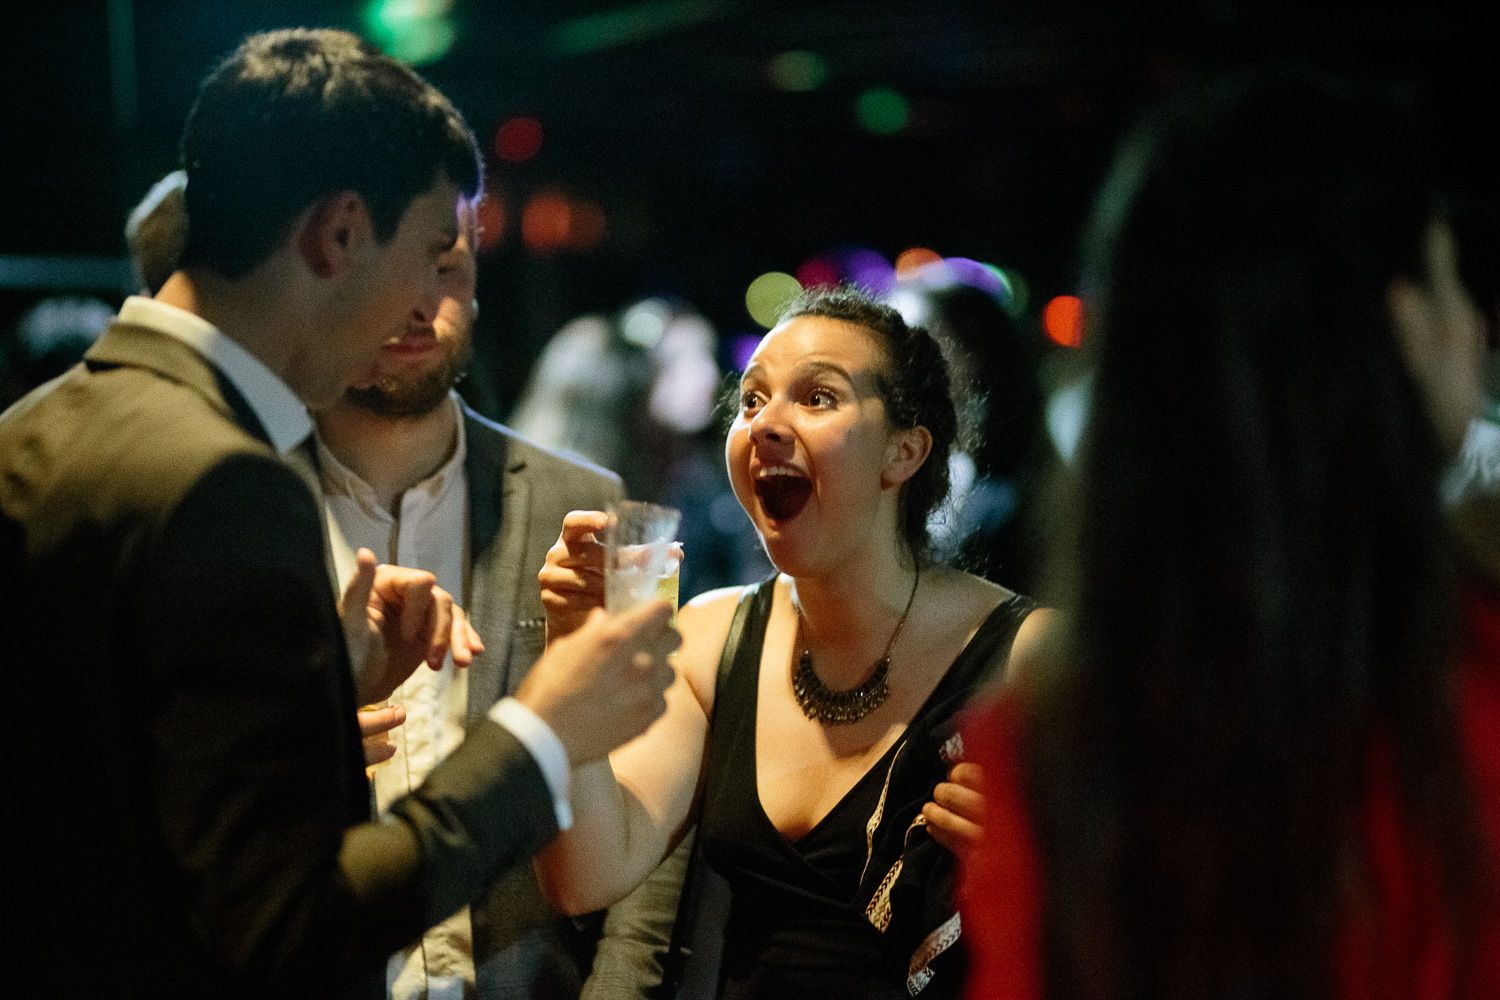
[545, 748]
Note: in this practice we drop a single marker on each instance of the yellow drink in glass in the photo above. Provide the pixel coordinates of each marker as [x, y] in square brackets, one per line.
[666, 587]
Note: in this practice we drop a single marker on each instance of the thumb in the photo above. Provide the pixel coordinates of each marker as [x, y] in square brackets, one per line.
[357, 590]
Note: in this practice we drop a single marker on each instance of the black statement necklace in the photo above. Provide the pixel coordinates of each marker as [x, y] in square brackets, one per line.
[841, 708]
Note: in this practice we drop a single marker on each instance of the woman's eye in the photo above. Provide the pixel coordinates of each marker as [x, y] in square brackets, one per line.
[749, 401]
[820, 397]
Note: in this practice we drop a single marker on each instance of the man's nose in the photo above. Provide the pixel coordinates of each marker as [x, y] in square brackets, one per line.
[427, 306]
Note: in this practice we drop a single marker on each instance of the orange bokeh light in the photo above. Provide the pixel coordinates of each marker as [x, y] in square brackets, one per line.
[553, 221]
[585, 225]
[490, 213]
[545, 222]
[1063, 320]
[913, 260]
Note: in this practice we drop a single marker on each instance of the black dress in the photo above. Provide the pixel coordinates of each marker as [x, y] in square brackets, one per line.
[861, 906]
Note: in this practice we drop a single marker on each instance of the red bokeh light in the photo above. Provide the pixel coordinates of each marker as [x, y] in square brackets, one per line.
[818, 272]
[518, 139]
[1063, 320]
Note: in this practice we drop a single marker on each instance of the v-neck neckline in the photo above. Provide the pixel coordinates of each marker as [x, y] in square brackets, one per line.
[900, 740]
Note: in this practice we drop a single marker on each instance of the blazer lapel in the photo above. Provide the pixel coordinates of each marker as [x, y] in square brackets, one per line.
[498, 484]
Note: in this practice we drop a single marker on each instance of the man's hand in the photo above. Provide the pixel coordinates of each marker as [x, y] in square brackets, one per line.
[572, 578]
[374, 723]
[603, 685]
[394, 618]
[957, 809]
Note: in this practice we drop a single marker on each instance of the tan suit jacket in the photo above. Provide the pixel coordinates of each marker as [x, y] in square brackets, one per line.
[197, 819]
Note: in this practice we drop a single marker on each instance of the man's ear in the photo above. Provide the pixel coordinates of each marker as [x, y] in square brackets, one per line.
[904, 455]
[331, 232]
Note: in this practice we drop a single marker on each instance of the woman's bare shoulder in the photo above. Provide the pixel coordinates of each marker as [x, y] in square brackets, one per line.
[704, 624]
[966, 594]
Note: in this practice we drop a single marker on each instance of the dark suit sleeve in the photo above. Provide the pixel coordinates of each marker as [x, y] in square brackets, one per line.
[255, 768]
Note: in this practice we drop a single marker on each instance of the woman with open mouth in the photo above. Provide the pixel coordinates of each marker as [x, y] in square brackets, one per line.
[810, 734]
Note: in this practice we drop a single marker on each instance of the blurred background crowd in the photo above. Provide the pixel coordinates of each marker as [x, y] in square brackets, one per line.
[664, 174]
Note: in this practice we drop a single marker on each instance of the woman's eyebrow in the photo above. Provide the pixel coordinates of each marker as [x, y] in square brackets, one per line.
[825, 366]
[862, 382]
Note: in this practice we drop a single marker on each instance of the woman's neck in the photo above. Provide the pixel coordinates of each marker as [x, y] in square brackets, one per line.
[853, 610]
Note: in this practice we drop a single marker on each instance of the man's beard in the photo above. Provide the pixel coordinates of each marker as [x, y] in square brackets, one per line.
[400, 397]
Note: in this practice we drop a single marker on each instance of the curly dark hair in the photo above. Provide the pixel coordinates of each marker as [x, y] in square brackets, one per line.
[917, 392]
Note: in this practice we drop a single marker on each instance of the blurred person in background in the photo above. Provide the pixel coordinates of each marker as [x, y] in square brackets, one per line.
[52, 337]
[156, 231]
[810, 734]
[985, 525]
[1261, 755]
[636, 394]
[1476, 233]
[410, 472]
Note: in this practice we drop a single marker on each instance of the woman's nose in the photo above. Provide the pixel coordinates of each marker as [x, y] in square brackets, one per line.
[769, 424]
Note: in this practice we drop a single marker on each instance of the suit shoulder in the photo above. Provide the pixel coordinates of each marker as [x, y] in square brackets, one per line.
[485, 433]
[106, 444]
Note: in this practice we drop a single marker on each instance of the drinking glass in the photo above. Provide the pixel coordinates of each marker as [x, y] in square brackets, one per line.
[637, 550]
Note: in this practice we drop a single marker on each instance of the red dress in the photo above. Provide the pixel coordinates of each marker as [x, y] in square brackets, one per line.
[1398, 948]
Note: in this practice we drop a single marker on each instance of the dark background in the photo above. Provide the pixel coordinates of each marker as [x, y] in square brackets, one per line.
[708, 174]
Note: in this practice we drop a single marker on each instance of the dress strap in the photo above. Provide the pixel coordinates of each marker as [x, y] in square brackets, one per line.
[754, 602]
[704, 897]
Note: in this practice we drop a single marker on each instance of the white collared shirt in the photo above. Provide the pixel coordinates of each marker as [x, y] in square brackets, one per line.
[277, 408]
[429, 531]
[426, 531]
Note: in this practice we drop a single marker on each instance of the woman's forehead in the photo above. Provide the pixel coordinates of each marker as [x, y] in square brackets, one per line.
[850, 345]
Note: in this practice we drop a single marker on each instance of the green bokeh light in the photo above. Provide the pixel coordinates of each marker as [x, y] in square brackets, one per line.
[625, 25]
[417, 32]
[768, 295]
[798, 71]
[1020, 292]
[882, 110]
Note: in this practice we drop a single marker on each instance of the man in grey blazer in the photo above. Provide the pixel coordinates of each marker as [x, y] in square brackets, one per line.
[195, 822]
[408, 470]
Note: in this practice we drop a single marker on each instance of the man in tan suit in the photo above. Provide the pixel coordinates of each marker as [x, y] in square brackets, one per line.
[198, 824]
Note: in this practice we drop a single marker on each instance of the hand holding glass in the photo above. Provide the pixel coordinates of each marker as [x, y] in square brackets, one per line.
[637, 548]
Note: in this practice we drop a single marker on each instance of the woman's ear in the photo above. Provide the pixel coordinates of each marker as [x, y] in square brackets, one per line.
[904, 455]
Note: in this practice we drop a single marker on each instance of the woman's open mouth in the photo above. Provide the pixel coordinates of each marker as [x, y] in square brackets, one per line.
[782, 491]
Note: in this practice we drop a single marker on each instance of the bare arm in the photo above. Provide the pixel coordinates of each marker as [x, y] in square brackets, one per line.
[630, 810]
[1034, 645]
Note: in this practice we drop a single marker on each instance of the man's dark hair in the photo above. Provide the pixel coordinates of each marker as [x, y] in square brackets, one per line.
[293, 116]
